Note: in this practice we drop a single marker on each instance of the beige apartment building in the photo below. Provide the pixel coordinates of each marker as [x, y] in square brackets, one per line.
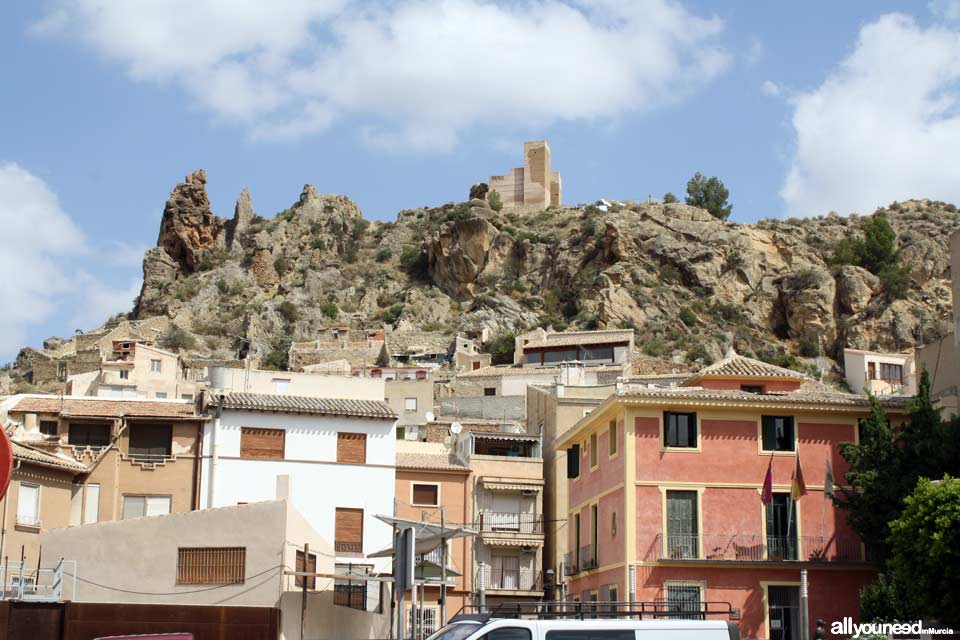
[532, 187]
[880, 373]
[86, 460]
[139, 370]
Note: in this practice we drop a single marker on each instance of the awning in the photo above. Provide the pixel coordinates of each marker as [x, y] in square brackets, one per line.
[512, 542]
[509, 486]
[429, 534]
[493, 435]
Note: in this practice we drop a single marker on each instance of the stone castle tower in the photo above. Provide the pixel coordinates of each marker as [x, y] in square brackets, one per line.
[532, 187]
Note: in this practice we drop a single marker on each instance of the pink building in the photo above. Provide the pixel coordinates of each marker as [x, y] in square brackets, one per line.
[667, 482]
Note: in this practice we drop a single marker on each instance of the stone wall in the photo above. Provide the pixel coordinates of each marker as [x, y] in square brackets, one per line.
[532, 187]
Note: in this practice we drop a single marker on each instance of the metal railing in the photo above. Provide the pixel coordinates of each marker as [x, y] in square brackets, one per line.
[21, 582]
[150, 458]
[568, 609]
[514, 579]
[343, 546]
[353, 596]
[494, 521]
[747, 547]
[588, 557]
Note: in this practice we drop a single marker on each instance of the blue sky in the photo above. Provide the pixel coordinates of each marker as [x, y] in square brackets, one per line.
[799, 108]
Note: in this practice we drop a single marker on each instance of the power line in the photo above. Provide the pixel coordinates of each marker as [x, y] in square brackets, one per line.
[173, 593]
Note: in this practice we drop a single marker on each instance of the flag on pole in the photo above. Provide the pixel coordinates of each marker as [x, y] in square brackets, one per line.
[828, 481]
[797, 486]
[766, 496]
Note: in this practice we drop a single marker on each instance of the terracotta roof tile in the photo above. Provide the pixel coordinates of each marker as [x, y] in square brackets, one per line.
[517, 370]
[302, 404]
[580, 338]
[103, 407]
[804, 396]
[733, 364]
[29, 454]
[429, 461]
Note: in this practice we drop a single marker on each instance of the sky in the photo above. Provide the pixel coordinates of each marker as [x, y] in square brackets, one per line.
[800, 108]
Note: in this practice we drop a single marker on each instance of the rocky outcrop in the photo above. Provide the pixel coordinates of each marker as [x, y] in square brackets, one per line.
[458, 254]
[242, 217]
[189, 229]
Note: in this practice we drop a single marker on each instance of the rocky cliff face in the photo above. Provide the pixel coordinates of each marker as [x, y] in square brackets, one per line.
[690, 285]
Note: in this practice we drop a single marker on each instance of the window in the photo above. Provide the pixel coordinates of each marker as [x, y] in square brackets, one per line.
[409, 404]
[594, 454]
[281, 385]
[576, 540]
[573, 461]
[595, 534]
[751, 388]
[604, 354]
[150, 442]
[489, 391]
[508, 633]
[426, 495]
[76, 504]
[680, 430]
[348, 593]
[871, 371]
[309, 567]
[682, 526]
[161, 395]
[156, 366]
[352, 448]
[778, 433]
[48, 428]
[592, 634]
[89, 435]
[684, 599]
[211, 565]
[891, 373]
[28, 505]
[781, 515]
[140, 506]
[612, 434]
[262, 444]
[475, 366]
[348, 531]
[564, 355]
[186, 396]
[91, 506]
[124, 374]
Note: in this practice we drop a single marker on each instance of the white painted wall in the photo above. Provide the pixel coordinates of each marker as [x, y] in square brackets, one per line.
[320, 484]
[855, 364]
[298, 384]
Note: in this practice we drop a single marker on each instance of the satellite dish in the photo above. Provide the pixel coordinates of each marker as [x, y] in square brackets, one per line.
[456, 428]
[429, 416]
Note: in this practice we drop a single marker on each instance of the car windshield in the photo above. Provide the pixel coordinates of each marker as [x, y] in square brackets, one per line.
[457, 631]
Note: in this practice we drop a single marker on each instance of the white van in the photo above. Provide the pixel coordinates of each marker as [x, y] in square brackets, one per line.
[514, 629]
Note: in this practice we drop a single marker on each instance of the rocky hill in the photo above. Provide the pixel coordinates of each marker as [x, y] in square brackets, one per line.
[689, 284]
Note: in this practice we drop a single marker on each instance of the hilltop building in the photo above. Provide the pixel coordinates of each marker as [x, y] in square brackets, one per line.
[533, 186]
[880, 373]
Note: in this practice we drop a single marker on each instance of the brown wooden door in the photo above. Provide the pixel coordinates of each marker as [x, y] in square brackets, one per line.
[35, 621]
[352, 448]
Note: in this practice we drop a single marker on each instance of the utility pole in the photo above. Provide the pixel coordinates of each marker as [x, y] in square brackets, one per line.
[443, 570]
[804, 607]
[482, 579]
[303, 604]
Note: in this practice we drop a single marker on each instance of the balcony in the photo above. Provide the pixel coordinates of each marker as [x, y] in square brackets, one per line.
[748, 547]
[588, 558]
[512, 523]
[348, 547]
[514, 580]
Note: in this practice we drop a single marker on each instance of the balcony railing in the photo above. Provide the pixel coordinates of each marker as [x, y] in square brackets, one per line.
[514, 580]
[570, 566]
[499, 522]
[351, 595]
[150, 458]
[343, 546]
[588, 558]
[746, 547]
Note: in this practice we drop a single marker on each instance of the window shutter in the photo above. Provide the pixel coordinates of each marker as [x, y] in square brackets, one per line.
[573, 461]
[27, 502]
[348, 534]
[262, 444]
[352, 448]
[425, 494]
[211, 565]
[92, 509]
[158, 505]
[133, 507]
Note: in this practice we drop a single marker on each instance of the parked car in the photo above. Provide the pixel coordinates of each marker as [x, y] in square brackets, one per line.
[516, 629]
[151, 636]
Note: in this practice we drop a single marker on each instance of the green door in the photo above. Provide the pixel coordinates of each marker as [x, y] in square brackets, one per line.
[682, 526]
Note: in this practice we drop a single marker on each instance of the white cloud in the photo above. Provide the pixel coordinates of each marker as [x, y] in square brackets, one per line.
[771, 88]
[883, 126]
[408, 72]
[946, 9]
[124, 254]
[40, 249]
[36, 235]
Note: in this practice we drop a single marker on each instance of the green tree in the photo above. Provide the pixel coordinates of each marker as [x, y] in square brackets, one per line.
[709, 194]
[329, 309]
[879, 244]
[494, 200]
[501, 348]
[288, 311]
[883, 601]
[925, 545]
[669, 197]
[177, 338]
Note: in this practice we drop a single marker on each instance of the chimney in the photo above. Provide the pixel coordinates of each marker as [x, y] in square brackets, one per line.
[284, 488]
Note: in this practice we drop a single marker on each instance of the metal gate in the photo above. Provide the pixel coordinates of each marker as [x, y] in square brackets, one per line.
[783, 609]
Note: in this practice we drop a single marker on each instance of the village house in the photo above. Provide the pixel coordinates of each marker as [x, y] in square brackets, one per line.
[340, 453]
[433, 486]
[549, 348]
[102, 460]
[239, 555]
[665, 492]
[138, 370]
[507, 510]
[877, 373]
[359, 347]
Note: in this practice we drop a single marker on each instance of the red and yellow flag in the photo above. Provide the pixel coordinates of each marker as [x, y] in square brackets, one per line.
[797, 486]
